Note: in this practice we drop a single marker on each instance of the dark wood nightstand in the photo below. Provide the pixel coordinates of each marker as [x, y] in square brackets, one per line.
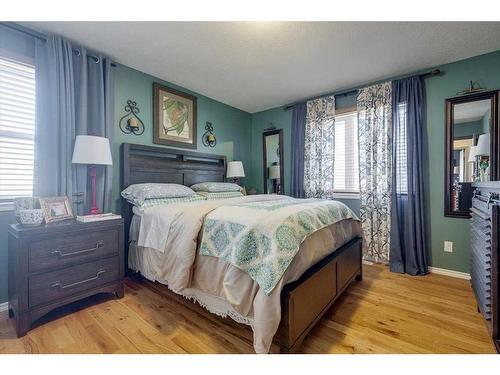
[56, 264]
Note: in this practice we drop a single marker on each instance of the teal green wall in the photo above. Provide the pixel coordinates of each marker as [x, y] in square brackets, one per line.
[484, 69]
[465, 129]
[232, 126]
[486, 123]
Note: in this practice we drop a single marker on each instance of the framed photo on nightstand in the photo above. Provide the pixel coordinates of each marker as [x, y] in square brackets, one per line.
[56, 209]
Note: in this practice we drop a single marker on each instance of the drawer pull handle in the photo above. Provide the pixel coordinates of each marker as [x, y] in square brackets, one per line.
[60, 254]
[58, 284]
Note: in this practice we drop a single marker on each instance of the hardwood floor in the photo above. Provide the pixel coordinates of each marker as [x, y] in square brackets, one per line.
[385, 313]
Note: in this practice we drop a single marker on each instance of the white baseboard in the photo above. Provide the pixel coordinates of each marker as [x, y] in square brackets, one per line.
[437, 271]
[451, 273]
[4, 306]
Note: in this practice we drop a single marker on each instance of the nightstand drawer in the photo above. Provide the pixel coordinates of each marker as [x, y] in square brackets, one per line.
[66, 250]
[54, 285]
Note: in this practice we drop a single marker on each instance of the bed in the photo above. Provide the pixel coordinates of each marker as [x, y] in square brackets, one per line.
[327, 262]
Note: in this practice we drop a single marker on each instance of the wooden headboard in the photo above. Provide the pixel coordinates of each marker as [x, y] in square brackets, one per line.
[166, 165]
[142, 164]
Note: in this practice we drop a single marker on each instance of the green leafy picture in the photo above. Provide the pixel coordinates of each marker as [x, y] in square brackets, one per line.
[174, 117]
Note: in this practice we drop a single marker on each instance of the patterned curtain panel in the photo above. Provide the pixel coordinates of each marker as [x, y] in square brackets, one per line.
[375, 127]
[319, 146]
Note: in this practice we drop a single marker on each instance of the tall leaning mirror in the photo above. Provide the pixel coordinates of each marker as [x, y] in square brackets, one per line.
[471, 153]
[272, 142]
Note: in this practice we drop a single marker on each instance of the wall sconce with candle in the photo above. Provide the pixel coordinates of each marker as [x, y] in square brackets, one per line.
[130, 123]
[208, 138]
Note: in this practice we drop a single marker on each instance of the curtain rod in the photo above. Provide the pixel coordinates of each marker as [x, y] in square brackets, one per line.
[43, 38]
[432, 73]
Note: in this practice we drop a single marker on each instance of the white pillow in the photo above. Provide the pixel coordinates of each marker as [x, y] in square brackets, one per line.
[138, 193]
[216, 187]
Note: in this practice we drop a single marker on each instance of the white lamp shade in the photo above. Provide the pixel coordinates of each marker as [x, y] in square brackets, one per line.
[90, 149]
[472, 154]
[235, 169]
[483, 145]
[274, 172]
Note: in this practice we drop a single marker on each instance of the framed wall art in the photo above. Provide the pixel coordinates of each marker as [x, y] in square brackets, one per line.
[174, 117]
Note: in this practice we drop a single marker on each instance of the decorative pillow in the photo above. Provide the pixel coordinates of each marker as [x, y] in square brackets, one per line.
[221, 195]
[157, 201]
[216, 187]
[138, 193]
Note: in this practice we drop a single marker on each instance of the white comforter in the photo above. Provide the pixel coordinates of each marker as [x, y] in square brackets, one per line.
[167, 241]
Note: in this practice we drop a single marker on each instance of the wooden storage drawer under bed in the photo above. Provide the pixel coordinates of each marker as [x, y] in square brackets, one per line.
[305, 301]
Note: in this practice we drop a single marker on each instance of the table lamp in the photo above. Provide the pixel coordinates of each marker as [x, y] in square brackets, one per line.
[483, 145]
[483, 151]
[235, 170]
[92, 150]
[472, 154]
[275, 175]
[274, 172]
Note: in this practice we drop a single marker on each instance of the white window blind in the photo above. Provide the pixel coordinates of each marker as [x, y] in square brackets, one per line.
[401, 151]
[346, 167]
[17, 129]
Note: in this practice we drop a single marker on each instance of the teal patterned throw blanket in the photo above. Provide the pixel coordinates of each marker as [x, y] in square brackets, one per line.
[262, 238]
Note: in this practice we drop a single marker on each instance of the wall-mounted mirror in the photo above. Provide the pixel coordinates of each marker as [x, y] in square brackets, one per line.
[272, 142]
[471, 124]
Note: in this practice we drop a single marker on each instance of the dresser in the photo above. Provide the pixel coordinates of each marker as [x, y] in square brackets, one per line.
[485, 252]
[60, 263]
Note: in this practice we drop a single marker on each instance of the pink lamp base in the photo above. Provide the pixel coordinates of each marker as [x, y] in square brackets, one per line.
[94, 210]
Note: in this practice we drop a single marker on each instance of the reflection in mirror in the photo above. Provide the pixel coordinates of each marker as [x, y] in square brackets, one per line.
[469, 124]
[273, 158]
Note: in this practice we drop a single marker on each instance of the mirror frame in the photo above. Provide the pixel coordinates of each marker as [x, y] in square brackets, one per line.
[264, 156]
[448, 157]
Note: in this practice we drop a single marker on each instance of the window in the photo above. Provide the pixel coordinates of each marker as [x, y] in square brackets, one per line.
[17, 129]
[346, 168]
[401, 151]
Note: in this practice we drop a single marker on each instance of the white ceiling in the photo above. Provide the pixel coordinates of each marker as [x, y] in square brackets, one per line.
[259, 65]
[471, 111]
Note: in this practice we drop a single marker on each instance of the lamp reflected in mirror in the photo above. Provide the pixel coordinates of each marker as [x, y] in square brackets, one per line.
[483, 152]
[274, 175]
